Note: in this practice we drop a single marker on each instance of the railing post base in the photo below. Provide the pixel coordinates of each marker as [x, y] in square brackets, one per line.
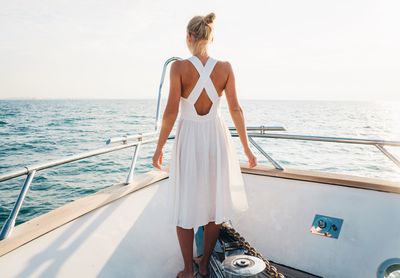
[10, 223]
[7, 228]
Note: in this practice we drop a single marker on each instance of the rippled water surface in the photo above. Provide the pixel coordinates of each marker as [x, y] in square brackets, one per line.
[35, 131]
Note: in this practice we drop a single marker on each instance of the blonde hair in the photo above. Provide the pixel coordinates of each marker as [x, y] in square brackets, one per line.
[200, 27]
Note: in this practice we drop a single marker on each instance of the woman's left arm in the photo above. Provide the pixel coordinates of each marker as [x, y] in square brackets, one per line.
[170, 112]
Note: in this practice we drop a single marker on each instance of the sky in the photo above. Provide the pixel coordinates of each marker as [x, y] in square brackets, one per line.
[290, 50]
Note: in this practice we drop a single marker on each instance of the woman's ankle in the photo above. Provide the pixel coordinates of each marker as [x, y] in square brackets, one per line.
[188, 269]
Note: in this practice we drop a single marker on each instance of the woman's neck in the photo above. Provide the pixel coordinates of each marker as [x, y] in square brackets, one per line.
[200, 52]
[201, 56]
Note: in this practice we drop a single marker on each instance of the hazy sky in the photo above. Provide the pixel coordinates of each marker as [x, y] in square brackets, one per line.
[322, 50]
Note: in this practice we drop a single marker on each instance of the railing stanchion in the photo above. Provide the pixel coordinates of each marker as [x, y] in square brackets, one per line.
[276, 164]
[10, 222]
[388, 154]
[129, 179]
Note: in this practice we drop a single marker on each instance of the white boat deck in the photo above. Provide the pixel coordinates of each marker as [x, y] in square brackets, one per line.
[130, 236]
[121, 239]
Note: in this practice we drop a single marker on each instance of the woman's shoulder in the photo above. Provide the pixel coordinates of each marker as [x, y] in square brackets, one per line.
[224, 66]
[180, 65]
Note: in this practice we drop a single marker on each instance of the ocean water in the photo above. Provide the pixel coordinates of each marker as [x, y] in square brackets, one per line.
[34, 131]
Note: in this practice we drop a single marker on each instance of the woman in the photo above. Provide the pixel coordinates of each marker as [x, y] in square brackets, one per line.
[206, 185]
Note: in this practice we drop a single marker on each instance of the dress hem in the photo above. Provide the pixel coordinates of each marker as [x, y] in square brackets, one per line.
[202, 224]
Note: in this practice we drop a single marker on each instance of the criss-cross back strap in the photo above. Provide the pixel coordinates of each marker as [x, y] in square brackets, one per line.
[204, 81]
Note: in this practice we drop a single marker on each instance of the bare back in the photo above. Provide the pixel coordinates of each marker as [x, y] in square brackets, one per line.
[190, 76]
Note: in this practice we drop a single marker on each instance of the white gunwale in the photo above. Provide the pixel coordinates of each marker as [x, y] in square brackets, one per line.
[45, 223]
[326, 178]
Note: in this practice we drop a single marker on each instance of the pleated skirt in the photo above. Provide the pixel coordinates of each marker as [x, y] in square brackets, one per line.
[205, 180]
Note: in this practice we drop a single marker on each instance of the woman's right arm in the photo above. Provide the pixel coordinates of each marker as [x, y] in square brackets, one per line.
[237, 115]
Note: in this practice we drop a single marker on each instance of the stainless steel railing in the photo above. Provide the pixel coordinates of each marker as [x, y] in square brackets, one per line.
[379, 144]
[38, 167]
[120, 143]
[129, 141]
[124, 142]
[30, 171]
[260, 132]
[158, 113]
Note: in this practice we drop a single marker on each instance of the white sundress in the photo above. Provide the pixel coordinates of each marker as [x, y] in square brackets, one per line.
[205, 180]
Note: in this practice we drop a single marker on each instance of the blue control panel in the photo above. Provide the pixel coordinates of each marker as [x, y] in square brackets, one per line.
[326, 226]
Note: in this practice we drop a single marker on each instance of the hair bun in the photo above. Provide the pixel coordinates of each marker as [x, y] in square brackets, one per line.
[209, 18]
[201, 26]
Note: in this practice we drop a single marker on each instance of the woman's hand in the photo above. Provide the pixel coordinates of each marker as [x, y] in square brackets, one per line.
[157, 159]
[251, 157]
